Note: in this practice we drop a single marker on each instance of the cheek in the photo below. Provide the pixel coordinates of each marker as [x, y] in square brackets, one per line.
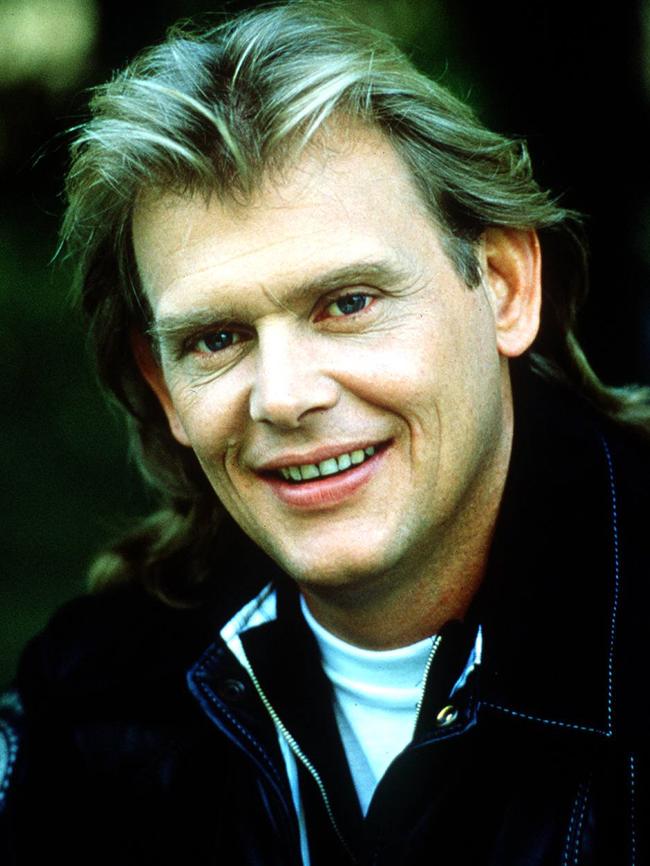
[392, 359]
[213, 415]
[402, 381]
[440, 375]
[403, 370]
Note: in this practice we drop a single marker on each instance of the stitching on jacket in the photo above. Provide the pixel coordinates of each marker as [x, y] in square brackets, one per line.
[632, 811]
[613, 622]
[8, 754]
[554, 722]
[242, 729]
[201, 668]
[612, 632]
[212, 656]
[574, 832]
[569, 836]
[581, 820]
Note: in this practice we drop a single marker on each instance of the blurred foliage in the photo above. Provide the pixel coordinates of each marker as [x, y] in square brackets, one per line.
[66, 483]
[48, 41]
[569, 76]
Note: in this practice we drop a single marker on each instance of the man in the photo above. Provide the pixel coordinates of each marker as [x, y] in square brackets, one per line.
[391, 609]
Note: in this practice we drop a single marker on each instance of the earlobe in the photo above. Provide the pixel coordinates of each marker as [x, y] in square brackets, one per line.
[512, 266]
[152, 373]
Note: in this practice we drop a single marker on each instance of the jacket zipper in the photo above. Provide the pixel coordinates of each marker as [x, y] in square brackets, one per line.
[434, 650]
[298, 752]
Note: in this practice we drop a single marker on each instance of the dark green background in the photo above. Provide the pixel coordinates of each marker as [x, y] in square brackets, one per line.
[572, 77]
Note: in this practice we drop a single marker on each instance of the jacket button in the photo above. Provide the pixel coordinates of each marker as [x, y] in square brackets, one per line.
[231, 689]
[447, 716]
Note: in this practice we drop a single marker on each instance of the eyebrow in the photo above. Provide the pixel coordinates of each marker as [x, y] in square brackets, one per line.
[177, 325]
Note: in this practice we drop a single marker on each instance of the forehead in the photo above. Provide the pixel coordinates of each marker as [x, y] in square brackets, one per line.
[348, 198]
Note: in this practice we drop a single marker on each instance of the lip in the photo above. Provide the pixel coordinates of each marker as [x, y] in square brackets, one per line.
[329, 491]
[324, 452]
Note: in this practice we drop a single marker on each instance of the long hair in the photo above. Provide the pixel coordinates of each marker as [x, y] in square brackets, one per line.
[214, 112]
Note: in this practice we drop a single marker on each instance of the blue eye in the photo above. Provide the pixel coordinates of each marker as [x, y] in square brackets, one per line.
[217, 341]
[347, 305]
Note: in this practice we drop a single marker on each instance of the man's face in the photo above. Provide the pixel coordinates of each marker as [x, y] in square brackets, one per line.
[340, 385]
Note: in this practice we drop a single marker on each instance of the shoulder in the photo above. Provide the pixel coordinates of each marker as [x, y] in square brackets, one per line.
[628, 455]
[104, 643]
[106, 672]
[559, 433]
[624, 464]
[123, 644]
[102, 727]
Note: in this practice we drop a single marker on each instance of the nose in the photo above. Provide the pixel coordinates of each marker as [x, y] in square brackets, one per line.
[291, 381]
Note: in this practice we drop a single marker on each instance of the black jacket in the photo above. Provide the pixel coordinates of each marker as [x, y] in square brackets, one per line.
[135, 735]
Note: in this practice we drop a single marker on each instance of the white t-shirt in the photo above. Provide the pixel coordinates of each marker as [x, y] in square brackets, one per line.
[376, 697]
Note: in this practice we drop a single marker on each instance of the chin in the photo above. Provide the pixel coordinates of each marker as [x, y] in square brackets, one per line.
[337, 571]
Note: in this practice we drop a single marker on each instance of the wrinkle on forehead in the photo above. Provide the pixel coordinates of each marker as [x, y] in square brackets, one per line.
[301, 168]
[340, 191]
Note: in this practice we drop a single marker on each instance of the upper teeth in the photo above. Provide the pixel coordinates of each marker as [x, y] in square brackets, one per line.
[331, 466]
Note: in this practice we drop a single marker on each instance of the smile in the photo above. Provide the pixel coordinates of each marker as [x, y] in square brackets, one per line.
[327, 483]
[331, 466]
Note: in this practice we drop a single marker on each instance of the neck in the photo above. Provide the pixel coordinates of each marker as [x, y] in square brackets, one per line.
[398, 611]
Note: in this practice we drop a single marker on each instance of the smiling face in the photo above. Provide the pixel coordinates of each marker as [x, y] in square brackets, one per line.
[346, 394]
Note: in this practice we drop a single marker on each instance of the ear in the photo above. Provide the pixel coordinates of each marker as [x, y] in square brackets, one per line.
[512, 275]
[152, 373]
